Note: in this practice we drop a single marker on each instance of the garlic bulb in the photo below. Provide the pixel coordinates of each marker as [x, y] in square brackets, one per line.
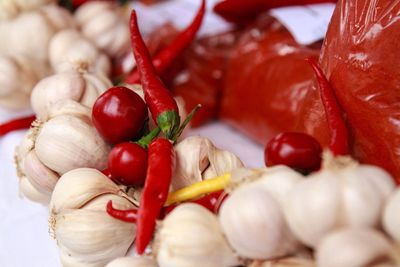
[86, 235]
[19, 74]
[254, 224]
[102, 23]
[133, 262]
[11, 8]
[391, 216]
[82, 87]
[29, 33]
[198, 159]
[343, 193]
[69, 50]
[354, 247]
[190, 236]
[284, 262]
[65, 142]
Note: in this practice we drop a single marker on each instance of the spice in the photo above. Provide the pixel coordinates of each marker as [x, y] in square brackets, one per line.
[18, 124]
[123, 215]
[161, 163]
[163, 60]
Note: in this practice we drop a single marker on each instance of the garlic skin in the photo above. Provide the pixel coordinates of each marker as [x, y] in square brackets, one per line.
[190, 236]
[67, 141]
[19, 76]
[198, 159]
[391, 216]
[285, 262]
[69, 50]
[254, 224]
[86, 235]
[11, 8]
[133, 262]
[102, 23]
[82, 87]
[343, 193]
[354, 247]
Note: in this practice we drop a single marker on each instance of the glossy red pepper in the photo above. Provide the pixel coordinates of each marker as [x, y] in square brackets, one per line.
[123, 215]
[17, 124]
[339, 135]
[162, 105]
[164, 59]
[161, 164]
[242, 11]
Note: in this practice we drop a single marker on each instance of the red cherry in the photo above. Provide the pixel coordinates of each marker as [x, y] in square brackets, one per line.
[296, 150]
[119, 114]
[127, 163]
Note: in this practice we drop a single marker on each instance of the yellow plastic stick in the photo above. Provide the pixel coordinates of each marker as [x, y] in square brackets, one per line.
[198, 189]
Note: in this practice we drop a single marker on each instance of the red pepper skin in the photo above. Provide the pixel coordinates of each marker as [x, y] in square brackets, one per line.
[161, 164]
[297, 150]
[119, 114]
[127, 164]
[339, 135]
[122, 215]
[164, 59]
[18, 124]
[161, 103]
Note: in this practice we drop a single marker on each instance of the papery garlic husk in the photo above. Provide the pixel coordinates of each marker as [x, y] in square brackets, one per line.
[354, 247]
[190, 236]
[86, 235]
[391, 216]
[342, 193]
[69, 50]
[133, 262]
[103, 23]
[254, 224]
[80, 86]
[29, 33]
[19, 74]
[284, 262]
[11, 8]
[67, 141]
[198, 159]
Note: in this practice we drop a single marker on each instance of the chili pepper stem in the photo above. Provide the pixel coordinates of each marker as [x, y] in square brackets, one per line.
[168, 122]
[146, 140]
[186, 122]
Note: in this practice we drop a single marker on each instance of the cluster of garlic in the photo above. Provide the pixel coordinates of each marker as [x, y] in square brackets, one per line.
[65, 141]
[11, 8]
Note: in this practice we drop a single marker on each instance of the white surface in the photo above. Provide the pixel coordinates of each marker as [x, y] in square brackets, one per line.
[307, 24]
[24, 238]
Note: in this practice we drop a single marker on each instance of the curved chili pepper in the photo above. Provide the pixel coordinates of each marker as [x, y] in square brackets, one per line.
[161, 164]
[168, 55]
[123, 215]
[18, 124]
[162, 105]
[339, 140]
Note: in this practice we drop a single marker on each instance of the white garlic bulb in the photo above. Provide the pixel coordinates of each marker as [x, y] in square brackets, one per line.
[284, 262]
[343, 193]
[103, 23]
[67, 141]
[86, 235]
[11, 8]
[82, 87]
[69, 50]
[354, 247]
[391, 216]
[254, 224]
[133, 262]
[18, 76]
[198, 159]
[190, 236]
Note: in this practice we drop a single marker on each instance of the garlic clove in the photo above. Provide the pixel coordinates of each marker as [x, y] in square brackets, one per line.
[70, 107]
[190, 236]
[222, 161]
[354, 247]
[254, 224]
[95, 86]
[27, 190]
[391, 216]
[133, 262]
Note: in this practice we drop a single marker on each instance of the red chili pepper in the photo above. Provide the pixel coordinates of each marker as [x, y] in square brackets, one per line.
[168, 55]
[123, 215]
[162, 105]
[18, 124]
[339, 140]
[161, 163]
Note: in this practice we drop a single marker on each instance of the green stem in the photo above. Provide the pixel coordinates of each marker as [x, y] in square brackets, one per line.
[146, 140]
[186, 122]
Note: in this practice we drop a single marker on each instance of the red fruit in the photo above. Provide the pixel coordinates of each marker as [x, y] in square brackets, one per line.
[127, 164]
[296, 150]
[119, 114]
